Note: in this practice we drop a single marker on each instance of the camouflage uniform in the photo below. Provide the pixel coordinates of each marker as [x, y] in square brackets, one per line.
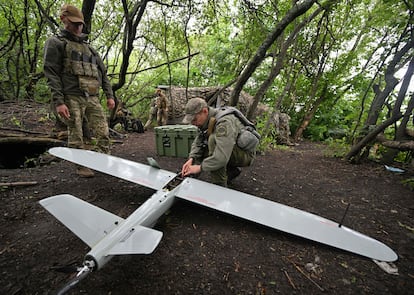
[215, 147]
[162, 106]
[152, 113]
[158, 110]
[75, 72]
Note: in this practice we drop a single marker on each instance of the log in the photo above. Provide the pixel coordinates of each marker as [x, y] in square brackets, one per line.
[404, 145]
[399, 145]
[17, 183]
[32, 140]
[410, 132]
[22, 131]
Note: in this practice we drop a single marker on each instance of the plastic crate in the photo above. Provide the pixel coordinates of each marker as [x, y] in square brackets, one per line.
[175, 140]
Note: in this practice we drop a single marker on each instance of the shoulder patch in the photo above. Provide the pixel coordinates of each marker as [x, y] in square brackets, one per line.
[221, 130]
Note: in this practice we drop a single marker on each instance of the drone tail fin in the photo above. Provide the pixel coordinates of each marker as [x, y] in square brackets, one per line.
[91, 224]
[139, 240]
[88, 222]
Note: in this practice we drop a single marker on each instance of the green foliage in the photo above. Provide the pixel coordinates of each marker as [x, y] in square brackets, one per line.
[30, 162]
[16, 122]
[266, 141]
[44, 115]
[337, 148]
[42, 92]
[332, 122]
[23, 36]
[404, 157]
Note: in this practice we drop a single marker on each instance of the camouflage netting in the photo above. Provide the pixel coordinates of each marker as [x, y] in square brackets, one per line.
[177, 98]
[216, 97]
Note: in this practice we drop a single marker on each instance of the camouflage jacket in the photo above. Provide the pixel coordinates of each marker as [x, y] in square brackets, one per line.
[62, 81]
[161, 102]
[224, 133]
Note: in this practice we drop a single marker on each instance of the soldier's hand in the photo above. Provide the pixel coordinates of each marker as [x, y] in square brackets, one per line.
[187, 167]
[192, 170]
[63, 111]
[110, 102]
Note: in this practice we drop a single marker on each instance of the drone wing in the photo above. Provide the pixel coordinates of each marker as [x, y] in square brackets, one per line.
[262, 211]
[283, 218]
[128, 170]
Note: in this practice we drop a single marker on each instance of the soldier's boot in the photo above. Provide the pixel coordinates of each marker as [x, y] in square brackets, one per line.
[232, 173]
[84, 172]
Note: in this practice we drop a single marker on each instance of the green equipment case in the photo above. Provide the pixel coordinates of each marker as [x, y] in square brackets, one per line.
[175, 140]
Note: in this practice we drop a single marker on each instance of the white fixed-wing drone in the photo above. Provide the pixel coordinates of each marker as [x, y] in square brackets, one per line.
[108, 235]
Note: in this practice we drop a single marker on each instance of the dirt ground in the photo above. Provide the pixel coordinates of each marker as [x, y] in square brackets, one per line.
[206, 252]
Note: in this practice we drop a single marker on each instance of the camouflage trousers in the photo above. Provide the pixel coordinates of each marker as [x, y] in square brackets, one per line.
[162, 116]
[238, 158]
[91, 108]
[152, 114]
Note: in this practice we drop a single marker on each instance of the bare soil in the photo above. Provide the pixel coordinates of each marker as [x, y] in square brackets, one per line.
[206, 252]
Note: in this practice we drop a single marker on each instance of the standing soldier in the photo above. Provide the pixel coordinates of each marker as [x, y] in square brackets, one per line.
[75, 73]
[158, 109]
[162, 106]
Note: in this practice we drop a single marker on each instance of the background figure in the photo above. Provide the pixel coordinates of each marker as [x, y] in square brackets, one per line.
[152, 113]
[124, 117]
[75, 73]
[158, 110]
[162, 106]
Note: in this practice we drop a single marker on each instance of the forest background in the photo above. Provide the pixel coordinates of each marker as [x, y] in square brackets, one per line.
[340, 69]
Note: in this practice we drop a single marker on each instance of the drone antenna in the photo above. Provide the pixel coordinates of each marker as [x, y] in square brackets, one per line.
[343, 217]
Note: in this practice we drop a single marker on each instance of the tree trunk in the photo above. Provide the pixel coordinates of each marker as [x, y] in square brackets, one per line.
[291, 15]
[279, 63]
[352, 155]
[87, 9]
[132, 19]
[401, 134]
[391, 82]
[307, 118]
[378, 103]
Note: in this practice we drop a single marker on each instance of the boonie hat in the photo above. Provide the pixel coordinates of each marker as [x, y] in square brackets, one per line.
[192, 108]
[73, 14]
